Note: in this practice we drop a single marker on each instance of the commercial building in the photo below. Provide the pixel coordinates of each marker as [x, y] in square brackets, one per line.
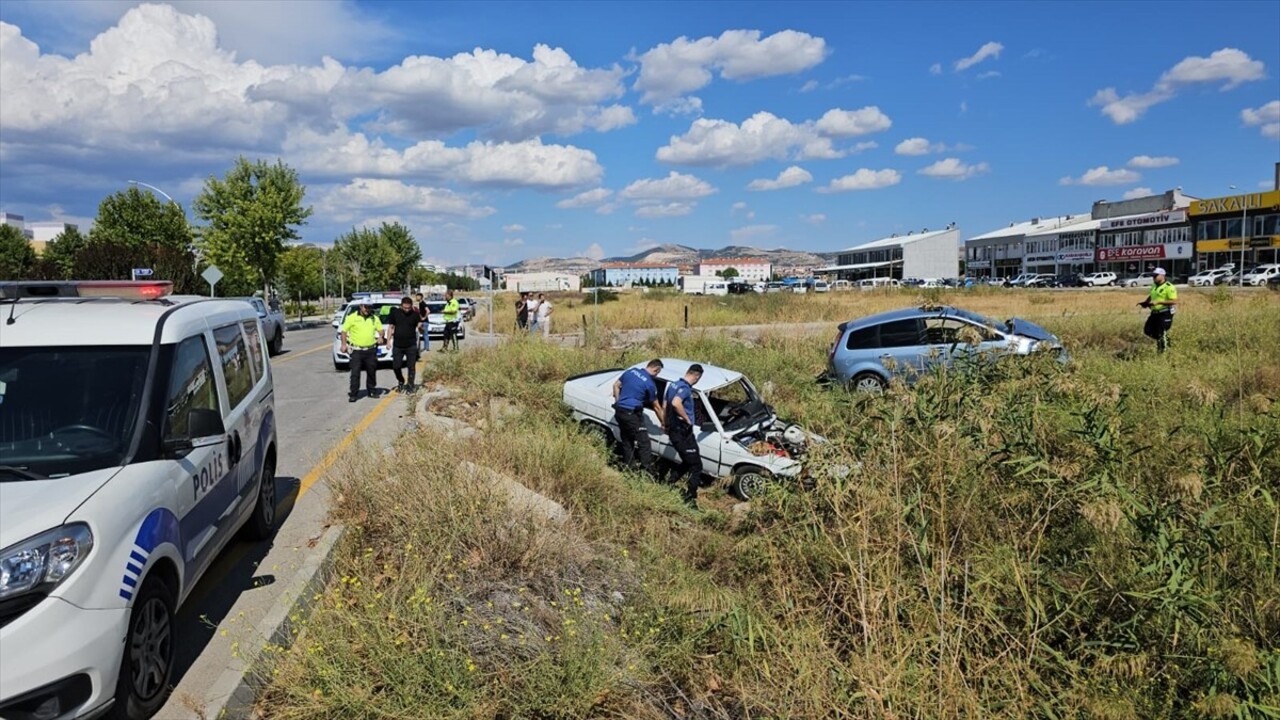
[1000, 253]
[628, 274]
[542, 282]
[1065, 249]
[1243, 229]
[749, 269]
[41, 233]
[914, 255]
[1137, 235]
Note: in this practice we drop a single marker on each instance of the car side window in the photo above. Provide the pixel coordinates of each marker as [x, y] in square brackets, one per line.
[941, 331]
[191, 387]
[900, 333]
[864, 339]
[237, 365]
[254, 339]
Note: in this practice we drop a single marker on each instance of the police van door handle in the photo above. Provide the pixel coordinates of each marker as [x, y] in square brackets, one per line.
[233, 448]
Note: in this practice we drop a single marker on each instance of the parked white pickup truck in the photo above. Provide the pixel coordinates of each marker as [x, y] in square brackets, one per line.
[740, 437]
[272, 323]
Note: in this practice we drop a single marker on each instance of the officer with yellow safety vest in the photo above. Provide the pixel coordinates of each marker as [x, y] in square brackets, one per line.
[451, 314]
[1162, 301]
[360, 336]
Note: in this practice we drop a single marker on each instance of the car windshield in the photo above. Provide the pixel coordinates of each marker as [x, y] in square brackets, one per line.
[65, 411]
[975, 317]
[382, 310]
[737, 404]
[435, 308]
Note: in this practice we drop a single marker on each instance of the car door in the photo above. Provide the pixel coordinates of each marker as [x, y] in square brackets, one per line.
[941, 341]
[239, 379]
[901, 350]
[193, 422]
[710, 436]
[658, 434]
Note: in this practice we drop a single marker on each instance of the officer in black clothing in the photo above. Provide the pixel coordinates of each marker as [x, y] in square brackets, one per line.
[682, 419]
[632, 392]
[403, 325]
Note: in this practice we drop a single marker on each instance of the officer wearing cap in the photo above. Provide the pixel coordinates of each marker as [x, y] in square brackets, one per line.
[1162, 301]
[361, 333]
[632, 392]
[682, 418]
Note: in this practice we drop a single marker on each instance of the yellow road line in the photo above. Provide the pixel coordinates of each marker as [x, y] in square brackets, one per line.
[295, 354]
[332, 456]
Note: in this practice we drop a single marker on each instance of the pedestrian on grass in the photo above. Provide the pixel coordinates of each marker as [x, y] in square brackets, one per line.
[632, 393]
[361, 333]
[532, 306]
[404, 324]
[682, 420]
[522, 312]
[544, 314]
[450, 312]
[422, 313]
[1162, 301]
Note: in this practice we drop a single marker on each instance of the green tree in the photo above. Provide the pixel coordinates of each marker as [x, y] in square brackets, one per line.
[251, 214]
[61, 252]
[301, 268]
[408, 254]
[115, 261]
[137, 219]
[366, 260]
[17, 257]
[728, 273]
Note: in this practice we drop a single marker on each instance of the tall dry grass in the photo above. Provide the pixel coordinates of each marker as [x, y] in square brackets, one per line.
[1021, 540]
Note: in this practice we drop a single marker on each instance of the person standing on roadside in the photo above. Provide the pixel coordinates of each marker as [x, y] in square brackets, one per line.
[632, 393]
[422, 313]
[361, 333]
[404, 324]
[682, 420]
[531, 305]
[450, 312]
[544, 315]
[1162, 301]
[522, 312]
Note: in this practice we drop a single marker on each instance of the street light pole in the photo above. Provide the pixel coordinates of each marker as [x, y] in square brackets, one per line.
[158, 190]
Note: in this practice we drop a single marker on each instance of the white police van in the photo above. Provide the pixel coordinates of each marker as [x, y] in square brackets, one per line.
[137, 436]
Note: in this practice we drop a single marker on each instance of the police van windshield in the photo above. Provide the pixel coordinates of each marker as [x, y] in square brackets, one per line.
[68, 410]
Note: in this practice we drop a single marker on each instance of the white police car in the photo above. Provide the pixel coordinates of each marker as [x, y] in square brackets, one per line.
[379, 305]
[137, 436]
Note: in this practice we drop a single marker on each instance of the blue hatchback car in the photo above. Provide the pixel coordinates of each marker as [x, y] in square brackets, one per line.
[869, 351]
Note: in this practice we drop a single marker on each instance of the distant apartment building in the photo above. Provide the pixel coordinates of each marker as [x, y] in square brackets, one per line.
[13, 220]
[749, 269]
[627, 274]
[41, 233]
[542, 282]
[1000, 253]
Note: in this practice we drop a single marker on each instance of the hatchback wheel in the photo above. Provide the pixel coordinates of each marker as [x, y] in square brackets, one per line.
[147, 669]
[868, 382]
[749, 482]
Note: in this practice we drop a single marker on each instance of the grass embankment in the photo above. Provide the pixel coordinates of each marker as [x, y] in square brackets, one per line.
[630, 310]
[1100, 540]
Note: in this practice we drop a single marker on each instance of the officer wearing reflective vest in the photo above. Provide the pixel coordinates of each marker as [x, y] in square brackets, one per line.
[632, 393]
[1162, 301]
[361, 331]
[450, 313]
[682, 419]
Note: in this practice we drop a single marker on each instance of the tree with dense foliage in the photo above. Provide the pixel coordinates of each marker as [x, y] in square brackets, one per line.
[17, 257]
[137, 219]
[408, 253]
[367, 259]
[728, 273]
[251, 214]
[112, 261]
[60, 253]
[301, 272]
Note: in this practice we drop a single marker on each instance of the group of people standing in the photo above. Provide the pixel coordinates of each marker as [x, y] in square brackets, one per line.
[405, 331]
[677, 412]
[534, 313]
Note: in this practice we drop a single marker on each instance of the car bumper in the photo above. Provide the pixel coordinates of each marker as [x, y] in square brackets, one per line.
[56, 641]
[384, 356]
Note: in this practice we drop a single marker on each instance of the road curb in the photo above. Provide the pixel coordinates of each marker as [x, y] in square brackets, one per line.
[233, 695]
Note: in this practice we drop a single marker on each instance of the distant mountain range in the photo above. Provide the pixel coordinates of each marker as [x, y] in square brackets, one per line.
[669, 254]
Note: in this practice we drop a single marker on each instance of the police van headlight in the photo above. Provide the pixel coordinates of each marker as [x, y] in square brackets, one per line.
[44, 561]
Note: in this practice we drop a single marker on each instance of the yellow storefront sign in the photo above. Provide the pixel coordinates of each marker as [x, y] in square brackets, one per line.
[1257, 242]
[1235, 203]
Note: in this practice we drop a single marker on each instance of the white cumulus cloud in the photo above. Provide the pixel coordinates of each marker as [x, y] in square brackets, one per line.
[663, 210]
[1266, 118]
[675, 186]
[513, 228]
[954, 169]
[1138, 192]
[935, 69]
[988, 50]
[670, 71]
[1103, 175]
[765, 136]
[863, 179]
[791, 177]
[590, 198]
[918, 146]
[1147, 161]
[594, 251]
[814, 219]
[1229, 67]
[346, 202]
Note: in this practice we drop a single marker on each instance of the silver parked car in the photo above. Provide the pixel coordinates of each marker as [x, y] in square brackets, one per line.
[868, 352]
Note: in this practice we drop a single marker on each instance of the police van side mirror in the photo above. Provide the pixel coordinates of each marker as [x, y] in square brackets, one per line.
[203, 422]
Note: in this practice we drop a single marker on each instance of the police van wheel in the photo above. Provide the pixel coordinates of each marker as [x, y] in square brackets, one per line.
[749, 482]
[277, 344]
[263, 521]
[147, 669]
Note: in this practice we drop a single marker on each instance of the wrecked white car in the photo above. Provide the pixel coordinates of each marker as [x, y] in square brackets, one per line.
[741, 439]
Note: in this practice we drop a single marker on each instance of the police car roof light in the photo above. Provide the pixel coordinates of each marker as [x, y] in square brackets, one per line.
[125, 289]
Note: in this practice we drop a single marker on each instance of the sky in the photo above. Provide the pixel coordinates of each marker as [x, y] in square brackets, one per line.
[503, 131]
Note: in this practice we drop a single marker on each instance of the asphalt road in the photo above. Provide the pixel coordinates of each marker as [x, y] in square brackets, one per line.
[313, 419]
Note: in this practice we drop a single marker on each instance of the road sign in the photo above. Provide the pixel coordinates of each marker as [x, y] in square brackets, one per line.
[141, 273]
[211, 275]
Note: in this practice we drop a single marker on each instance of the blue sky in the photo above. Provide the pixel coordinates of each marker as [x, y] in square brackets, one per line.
[499, 131]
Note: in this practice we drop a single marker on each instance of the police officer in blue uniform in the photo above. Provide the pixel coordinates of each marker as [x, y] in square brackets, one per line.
[632, 392]
[682, 418]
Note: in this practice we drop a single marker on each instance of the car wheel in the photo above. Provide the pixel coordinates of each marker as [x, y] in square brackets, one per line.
[277, 344]
[147, 668]
[263, 521]
[749, 482]
[604, 434]
[868, 382]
